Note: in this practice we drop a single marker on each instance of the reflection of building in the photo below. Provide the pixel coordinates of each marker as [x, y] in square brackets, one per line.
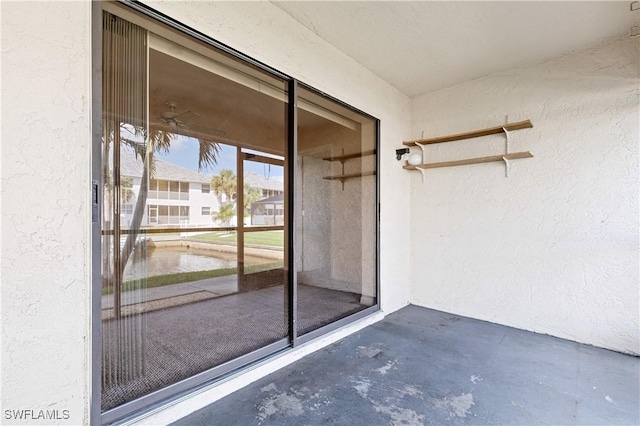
[269, 186]
[177, 195]
[180, 196]
[268, 211]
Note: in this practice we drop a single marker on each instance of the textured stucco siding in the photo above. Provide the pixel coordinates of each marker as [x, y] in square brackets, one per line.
[554, 247]
[45, 215]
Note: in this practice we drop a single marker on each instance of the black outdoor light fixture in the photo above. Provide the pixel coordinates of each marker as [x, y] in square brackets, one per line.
[400, 152]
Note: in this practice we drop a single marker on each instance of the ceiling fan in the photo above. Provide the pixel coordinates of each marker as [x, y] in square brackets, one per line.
[173, 119]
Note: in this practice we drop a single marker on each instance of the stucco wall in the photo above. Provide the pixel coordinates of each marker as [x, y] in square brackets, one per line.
[554, 247]
[45, 219]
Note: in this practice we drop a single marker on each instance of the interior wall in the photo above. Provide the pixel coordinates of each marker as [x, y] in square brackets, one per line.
[266, 33]
[314, 242]
[45, 214]
[347, 201]
[553, 248]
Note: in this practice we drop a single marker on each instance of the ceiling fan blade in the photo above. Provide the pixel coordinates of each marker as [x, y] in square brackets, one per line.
[206, 130]
[172, 125]
[171, 119]
[186, 112]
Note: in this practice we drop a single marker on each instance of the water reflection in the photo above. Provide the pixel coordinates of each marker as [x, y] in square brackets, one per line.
[171, 260]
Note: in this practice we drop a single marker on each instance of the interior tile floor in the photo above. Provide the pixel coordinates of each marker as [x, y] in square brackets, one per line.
[420, 367]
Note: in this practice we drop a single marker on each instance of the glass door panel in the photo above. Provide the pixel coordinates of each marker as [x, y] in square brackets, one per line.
[174, 303]
[336, 211]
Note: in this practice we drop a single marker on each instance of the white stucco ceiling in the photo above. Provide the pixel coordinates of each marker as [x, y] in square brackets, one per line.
[419, 47]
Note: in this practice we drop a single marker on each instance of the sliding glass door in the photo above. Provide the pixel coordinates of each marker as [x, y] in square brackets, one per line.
[203, 269]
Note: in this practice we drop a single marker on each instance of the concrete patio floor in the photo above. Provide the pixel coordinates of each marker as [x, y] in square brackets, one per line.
[420, 366]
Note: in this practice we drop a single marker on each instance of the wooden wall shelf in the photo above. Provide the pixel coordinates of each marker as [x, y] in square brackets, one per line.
[492, 158]
[506, 157]
[343, 158]
[526, 124]
[342, 178]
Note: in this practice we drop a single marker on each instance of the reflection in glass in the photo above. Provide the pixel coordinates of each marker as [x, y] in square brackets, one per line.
[174, 300]
[196, 214]
[261, 234]
[335, 206]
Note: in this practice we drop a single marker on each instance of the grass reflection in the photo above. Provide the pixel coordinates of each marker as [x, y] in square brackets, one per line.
[183, 277]
[261, 238]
